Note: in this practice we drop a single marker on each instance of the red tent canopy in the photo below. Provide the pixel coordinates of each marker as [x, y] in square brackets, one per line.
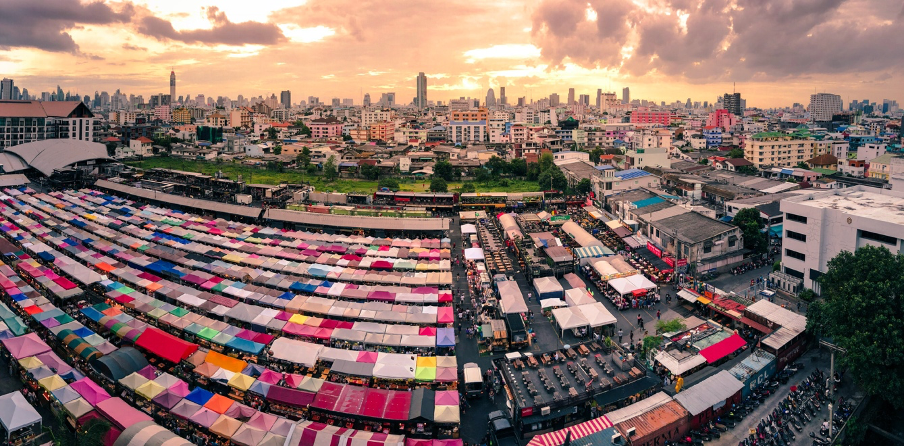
[328, 396]
[374, 403]
[165, 345]
[719, 350]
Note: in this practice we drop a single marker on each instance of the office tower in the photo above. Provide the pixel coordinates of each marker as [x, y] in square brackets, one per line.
[366, 100]
[172, 85]
[570, 96]
[6, 88]
[584, 100]
[554, 100]
[285, 98]
[491, 98]
[421, 99]
[336, 102]
[521, 101]
[626, 95]
[599, 98]
[823, 106]
[502, 99]
[732, 103]
[688, 104]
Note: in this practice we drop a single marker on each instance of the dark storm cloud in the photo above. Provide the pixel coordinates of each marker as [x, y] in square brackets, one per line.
[223, 31]
[43, 24]
[724, 39]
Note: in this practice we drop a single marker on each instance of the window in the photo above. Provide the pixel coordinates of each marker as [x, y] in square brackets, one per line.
[794, 273]
[796, 236]
[869, 235]
[707, 247]
[796, 218]
[732, 240]
[795, 254]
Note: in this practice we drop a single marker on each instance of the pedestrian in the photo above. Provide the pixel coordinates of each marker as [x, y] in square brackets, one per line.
[631, 336]
[641, 323]
[658, 315]
[639, 320]
[620, 333]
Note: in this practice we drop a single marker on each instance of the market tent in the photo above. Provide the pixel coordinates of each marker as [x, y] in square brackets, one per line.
[120, 363]
[90, 391]
[474, 254]
[569, 318]
[604, 269]
[468, 229]
[708, 393]
[225, 426]
[723, 348]
[578, 297]
[16, 412]
[596, 314]
[631, 283]
[78, 407]
[185, 409]
[679, 363]
[65, 394]
[295, 351]
[548, 287]
[149, 389]
[27, 345]
[148, 433]
[510, 298]
[446, 414]
[120, 413]
[248, 435]
[552, 302]
[133, 381]
[580, 235]
[165, 345]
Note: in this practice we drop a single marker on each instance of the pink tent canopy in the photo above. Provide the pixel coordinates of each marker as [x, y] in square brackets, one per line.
[429, 331]
[25, 346]
[444, 315]
[270, 376]
[90, 391]
[367, 357]
[120, 413]
[447, 398]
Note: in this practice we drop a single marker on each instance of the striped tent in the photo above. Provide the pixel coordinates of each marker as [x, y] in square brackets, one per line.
[579, 431]
[593, 251]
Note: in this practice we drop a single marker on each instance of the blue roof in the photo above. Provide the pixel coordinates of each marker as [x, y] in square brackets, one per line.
[605, 167]
[787, 171]
[726, 219]
[648, 202]
[628, 174]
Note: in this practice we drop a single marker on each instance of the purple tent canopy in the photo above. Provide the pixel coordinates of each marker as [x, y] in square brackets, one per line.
[167, 399]
[90, 391]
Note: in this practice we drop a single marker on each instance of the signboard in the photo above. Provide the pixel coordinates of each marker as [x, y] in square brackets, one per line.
[682, 262]
[668, 260]
[527, 411]
[654, 249]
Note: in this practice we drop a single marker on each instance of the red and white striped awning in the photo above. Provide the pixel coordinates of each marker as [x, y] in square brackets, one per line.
[579, 431]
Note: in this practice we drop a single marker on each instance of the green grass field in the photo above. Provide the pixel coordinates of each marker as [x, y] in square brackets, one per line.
[268, 177]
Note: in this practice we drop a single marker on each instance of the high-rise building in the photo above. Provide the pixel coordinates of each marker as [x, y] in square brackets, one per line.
[366, 100]
[285, 98]
[570, 96]
[733, 103]
[626, 95]
[491, 98]
[521, 101]
[823, 106]
[584, 100]
[599, 97]
[387, 99]
[554, 100]
[421, 100]
[172, 85]
[502, 100]
[6, 89]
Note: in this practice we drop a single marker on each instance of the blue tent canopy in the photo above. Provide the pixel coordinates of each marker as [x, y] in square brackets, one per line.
[240, 344]
[92, 313]
[199, 396]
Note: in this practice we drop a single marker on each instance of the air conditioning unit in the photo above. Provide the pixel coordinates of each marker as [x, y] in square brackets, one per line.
[544, 411]
[631, 432]
[617, 439]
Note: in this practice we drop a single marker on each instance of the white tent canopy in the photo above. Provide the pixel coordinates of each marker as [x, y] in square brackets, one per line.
[604, 268]
[474, 254]
[679, 367]
[596, 314]
[510, 298]
[468, 229]
[631, 283]
[16, 412]
[395, 366]
[577, 297]
[580, 235]
[552, 302]
[569, 318]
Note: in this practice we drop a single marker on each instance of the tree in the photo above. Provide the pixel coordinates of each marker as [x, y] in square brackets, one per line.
[748, 220]
[304, 158]
[482, 175]
[546, 161]
[346, 137]
[584, 186]
[803, 165]
[330, 171]
[497, 166]
[806, 295]
[533, 171]
[467, 187]
[303, 129]
[736, 153]
[370, 172]
[111, 149]
[443, 169]
[703, 161]
[311, 169]
[749, 170]
[596, 153]
[552, 178]
[438, 185]
[518, 167]
[277, 150]
[862, 311]
[271, 133]
[389, 183]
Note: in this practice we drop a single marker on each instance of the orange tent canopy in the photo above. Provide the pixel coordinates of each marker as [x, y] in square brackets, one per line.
[219, 403]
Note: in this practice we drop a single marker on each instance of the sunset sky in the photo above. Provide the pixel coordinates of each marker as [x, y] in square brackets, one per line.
[778, 52]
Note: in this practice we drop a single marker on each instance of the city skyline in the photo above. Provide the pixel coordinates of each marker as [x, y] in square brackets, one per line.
[543, 47]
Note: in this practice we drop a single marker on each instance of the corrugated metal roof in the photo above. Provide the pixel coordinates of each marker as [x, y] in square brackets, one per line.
[629, 174]
[13, 180]
[709, 392]
[778, 315]
[653, 419]
[47, 155]
[638, 408]
[148, 194]
[373, 223]
[648, 202]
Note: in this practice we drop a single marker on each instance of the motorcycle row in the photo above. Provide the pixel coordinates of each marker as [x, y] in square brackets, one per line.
[792, 413]
[753, 265]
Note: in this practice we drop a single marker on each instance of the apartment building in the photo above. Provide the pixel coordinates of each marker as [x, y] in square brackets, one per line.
[776, 149]
[26, 121]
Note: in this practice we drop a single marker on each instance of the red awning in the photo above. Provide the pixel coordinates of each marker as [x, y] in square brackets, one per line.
[165, 345]
[328, 396]
[754, 325]
[398, 405]
[640, 292]
[289, 396]
[374, 403]
[721, 349]
[352, 400]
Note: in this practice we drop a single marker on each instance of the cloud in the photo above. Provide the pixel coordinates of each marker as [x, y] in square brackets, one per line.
[507, 51]
[129, 47]
[306, 35]
[43, 24]
[720, 40]
[329, 76]
[222, 32]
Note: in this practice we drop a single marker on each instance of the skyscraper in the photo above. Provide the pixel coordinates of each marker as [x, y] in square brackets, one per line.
[366, 100]
[599, 97]
[732, 103]
[823, 106]
[491, 98]
[585, 100]
[285, 98]
[571, 96]
[6, 89]
[502, 100]
[554, 100]
[172, 85]
[626, 95]
[421, 99]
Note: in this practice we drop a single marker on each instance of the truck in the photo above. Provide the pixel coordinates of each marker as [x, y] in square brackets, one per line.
[517, 332]
[473, 380]
[500, 430]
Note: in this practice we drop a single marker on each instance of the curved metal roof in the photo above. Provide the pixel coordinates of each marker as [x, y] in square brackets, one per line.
[47, 155]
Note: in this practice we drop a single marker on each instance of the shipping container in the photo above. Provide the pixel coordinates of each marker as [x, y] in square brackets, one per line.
[666, 422]
[754, 370]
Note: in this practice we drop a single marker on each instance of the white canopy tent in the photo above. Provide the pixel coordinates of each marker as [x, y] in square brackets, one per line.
[16, 413]
[510, 298]
[552, 302]
[474, 254]
[395, 366]
[596, 314]
[468, 229]
[631, 283]
[578, 297]
[605, 269]
[569, 318]
[679, 366]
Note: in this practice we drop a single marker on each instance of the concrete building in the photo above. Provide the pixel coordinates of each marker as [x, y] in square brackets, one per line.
[626, 95]
[819, 225]
[491, 99]
[285, 98]
[823, 106]
[326, 128]
[721, 118]
[463, 132]
[369, 117]
[421, 99]
[644, 115]
[768, 149]
[733, 103]
[653, 156]
[571, 96]
[27, 121]
[172, 87]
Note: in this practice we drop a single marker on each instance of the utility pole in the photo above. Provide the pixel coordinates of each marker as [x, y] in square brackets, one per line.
[831, 379]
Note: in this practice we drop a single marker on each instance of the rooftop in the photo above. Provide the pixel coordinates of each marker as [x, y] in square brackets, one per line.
[858, 201]
[693, 227]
